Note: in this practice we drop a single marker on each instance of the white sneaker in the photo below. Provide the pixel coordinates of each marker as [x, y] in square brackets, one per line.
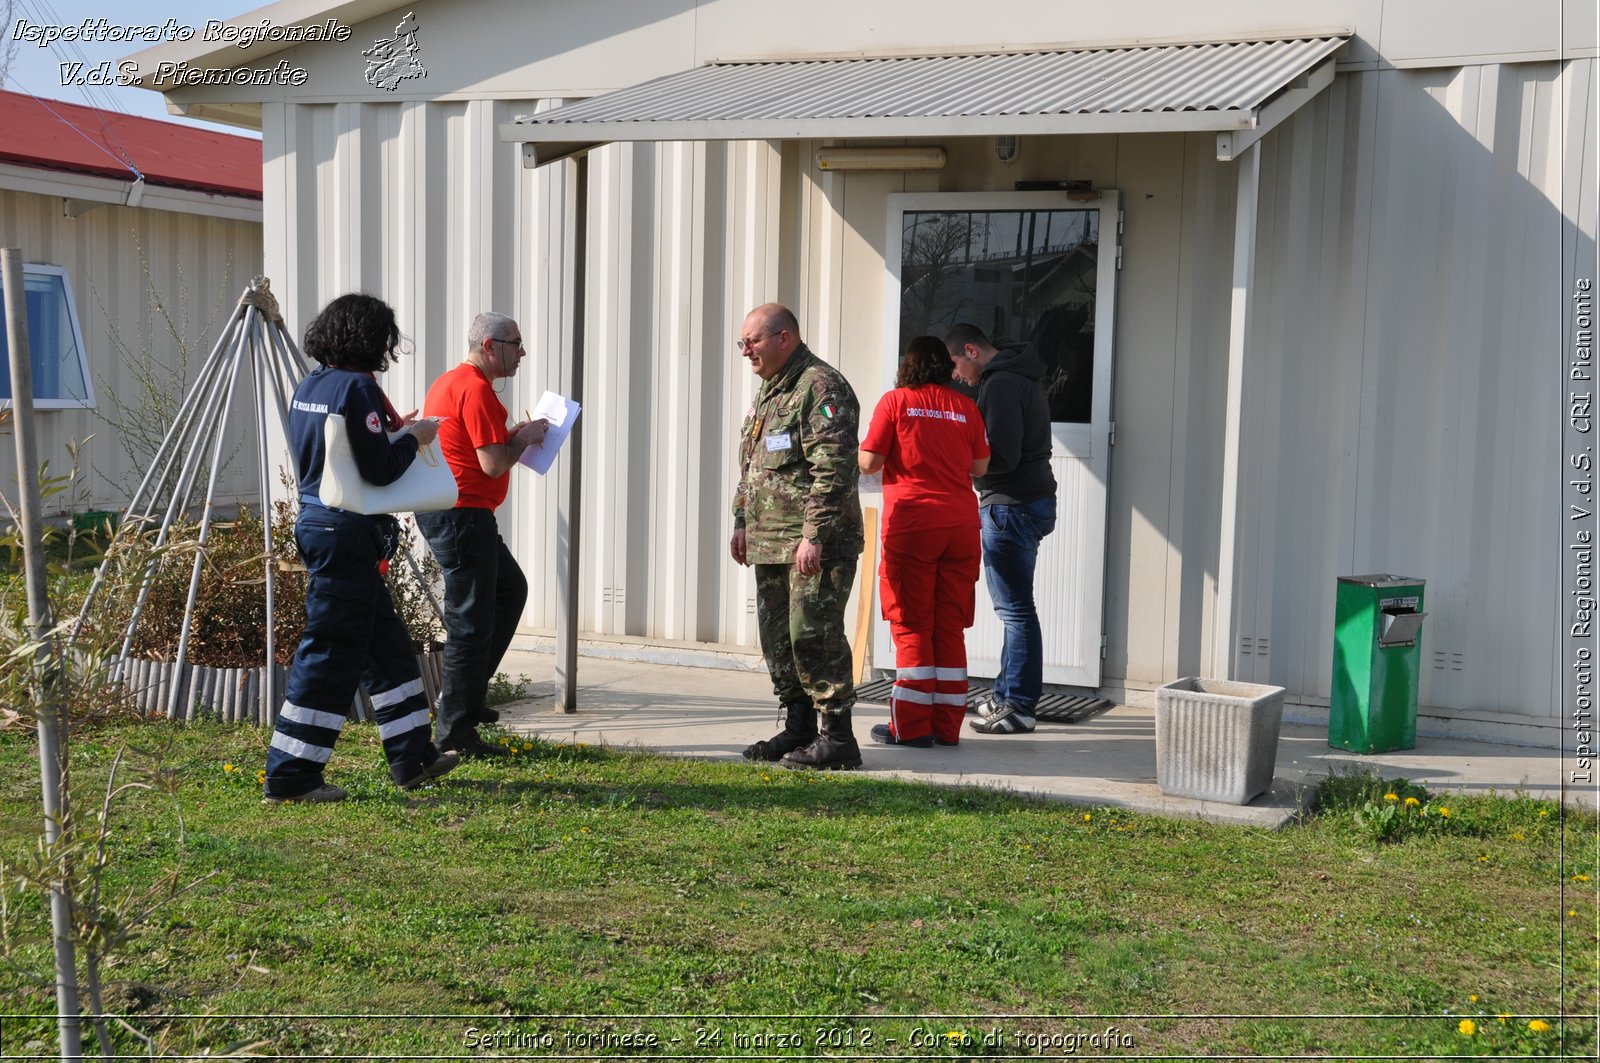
[1004, 718]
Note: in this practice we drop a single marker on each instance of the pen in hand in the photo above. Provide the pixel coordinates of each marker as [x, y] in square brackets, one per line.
[544, 428]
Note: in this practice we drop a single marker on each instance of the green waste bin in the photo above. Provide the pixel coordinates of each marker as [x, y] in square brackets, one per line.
[96, 521]
[1377, 663]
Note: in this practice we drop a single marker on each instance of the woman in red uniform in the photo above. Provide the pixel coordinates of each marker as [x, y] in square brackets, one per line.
[928, 440]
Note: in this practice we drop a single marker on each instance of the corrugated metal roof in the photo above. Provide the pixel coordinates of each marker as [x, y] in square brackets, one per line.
[1207, 86]
[55, 135]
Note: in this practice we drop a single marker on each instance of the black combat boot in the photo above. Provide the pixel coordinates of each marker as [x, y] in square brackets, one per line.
[834, 748]
[799, 730]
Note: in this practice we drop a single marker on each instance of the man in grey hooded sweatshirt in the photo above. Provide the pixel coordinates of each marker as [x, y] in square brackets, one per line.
[1017, 506]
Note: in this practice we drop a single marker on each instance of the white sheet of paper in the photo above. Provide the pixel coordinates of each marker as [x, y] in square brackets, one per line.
[561, 413]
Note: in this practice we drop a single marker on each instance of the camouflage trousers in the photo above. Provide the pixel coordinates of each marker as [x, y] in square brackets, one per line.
[801, 622]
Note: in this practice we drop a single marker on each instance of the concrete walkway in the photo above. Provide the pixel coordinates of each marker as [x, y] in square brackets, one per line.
[712, 713]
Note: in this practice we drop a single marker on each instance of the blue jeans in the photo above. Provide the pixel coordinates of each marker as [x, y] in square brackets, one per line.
[484, 592]
[1011, 537]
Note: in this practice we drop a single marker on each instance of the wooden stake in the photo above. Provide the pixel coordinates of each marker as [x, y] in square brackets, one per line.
[869, 584]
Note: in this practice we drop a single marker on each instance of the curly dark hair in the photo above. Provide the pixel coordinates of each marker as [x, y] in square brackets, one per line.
[355, 331]
[926, 361]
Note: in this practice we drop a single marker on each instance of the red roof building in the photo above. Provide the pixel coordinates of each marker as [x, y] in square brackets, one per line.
[52, 135]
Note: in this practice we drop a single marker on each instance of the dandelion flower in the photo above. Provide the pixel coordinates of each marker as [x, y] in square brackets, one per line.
[1412, 802]
[586, 830]
[1580, 878]
[1483, 859]
[1572, 913]
[227, 767]
[1518, 836]
[1504, 1017]
[1087, 817]
[1467, 1027]
[1543, 812]
[1445, 812]
[1473, 997]
[1391, 797]
[1538, 1026]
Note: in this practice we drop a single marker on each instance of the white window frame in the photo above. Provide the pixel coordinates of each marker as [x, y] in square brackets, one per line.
[88, 401]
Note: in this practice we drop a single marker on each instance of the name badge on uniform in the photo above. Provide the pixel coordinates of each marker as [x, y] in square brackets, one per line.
[779, 441]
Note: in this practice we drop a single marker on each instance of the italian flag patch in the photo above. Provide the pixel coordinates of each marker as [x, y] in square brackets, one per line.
[827, 410]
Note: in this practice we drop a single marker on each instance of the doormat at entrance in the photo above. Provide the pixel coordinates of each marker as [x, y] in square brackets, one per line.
[1052, 708]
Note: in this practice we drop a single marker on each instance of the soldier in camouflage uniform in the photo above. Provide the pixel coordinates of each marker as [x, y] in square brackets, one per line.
[797, 519]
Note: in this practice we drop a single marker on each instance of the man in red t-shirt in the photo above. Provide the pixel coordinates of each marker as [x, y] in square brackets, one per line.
[484, 589]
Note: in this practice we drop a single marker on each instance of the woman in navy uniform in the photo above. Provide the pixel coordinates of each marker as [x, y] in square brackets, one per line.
[352, 635]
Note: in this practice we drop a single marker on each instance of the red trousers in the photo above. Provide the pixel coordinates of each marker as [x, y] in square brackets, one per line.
[928, 586]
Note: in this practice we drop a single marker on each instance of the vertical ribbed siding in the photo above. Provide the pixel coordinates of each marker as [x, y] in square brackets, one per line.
[753, 245]
[1410, 255]
[133, 270]
[1410, 283]
[423, 205]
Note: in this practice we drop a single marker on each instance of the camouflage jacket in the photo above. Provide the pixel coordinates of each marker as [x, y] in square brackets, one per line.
[797, 464]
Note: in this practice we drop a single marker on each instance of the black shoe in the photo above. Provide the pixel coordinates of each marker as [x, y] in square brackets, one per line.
[484, 716]
[778, 746]
[799, 731]
[474, 748]
[323, 794]
[882, 735]
[443, 764]
[834, 749]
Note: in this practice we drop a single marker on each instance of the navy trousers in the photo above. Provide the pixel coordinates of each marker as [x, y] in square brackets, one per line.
[352, 637]
[484, 593]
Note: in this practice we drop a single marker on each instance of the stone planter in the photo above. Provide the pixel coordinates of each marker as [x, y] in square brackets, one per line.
[233, 695]
[1217, 740]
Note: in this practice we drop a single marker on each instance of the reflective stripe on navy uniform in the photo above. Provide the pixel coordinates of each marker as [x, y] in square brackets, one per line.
[352, 637]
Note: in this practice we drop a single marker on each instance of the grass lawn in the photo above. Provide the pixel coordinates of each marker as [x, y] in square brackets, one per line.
[576, 901]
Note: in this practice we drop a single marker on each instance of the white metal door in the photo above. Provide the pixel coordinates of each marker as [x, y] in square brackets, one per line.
[1039, 268]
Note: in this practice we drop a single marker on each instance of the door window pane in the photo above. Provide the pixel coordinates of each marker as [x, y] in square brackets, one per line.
[1026, 277]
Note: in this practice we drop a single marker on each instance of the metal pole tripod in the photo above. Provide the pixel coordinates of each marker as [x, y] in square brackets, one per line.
[255, 336]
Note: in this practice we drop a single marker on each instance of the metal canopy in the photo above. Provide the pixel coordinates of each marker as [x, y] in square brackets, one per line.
[1237, 89]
